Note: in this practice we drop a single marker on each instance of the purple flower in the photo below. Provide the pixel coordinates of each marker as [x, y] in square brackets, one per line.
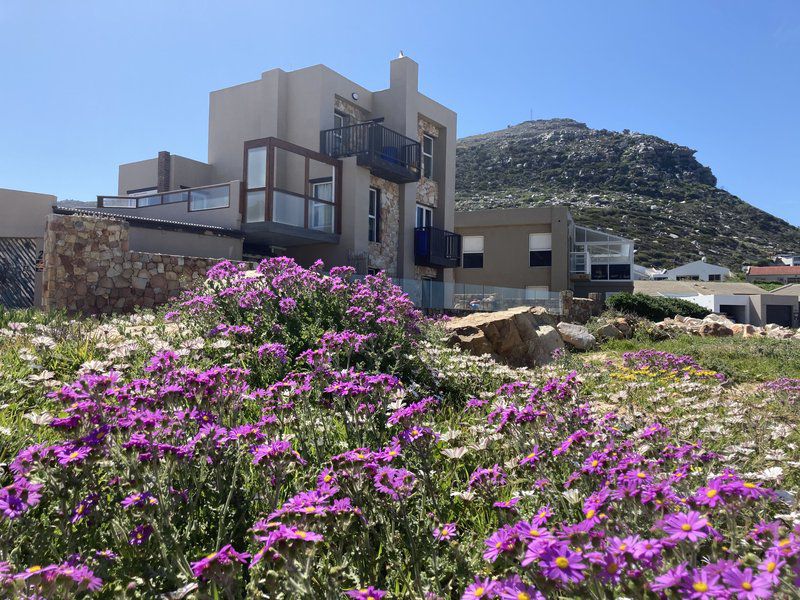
[273, 351]
[685, 526]
[514, 588]
[368, 593]
[140, 534]
[396, 483]
[702, 585]
[139, 499]
[446, 531]
[19, 497]
[69, 455]
[560, 563]
[746, 585]
[487, 479]
[287, 305]
[480, 590]
[533, 457]
[501, 541]
[207, 567]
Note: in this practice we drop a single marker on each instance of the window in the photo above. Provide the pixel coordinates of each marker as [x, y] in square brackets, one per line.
[473, 251]
[619, 272]
[321, 213]
[373, 226]
[688, 278]
[209, 198]
[339, 120]
[427, 156]
[600, 272]
[539, 249]
[424, 216]
[715, 277]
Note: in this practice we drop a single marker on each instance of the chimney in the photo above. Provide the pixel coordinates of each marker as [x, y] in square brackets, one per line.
[164, 171]
[404, 74]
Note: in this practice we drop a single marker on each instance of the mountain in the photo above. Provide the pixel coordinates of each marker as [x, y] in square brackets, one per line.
[635, 185]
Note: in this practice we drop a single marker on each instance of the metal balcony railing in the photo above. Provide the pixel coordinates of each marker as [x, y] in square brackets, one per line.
[434, 247]
[208, 197]
[386, 153]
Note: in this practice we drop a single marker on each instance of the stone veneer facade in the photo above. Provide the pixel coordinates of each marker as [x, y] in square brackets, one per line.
[88, 268]
[427, 189]
[383, 254]
[355, 113]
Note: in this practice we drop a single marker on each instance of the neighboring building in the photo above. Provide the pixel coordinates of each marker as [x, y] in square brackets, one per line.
[642, 273]
[21, 242]
[539, 250]
[779, 274]
[698, 270]
[311, 165]
[741, 302]
[790, 260]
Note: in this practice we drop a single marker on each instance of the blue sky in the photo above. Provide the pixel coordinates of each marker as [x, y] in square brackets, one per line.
[87, 85]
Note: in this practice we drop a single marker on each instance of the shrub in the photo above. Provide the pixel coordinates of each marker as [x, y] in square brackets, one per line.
[655, 308]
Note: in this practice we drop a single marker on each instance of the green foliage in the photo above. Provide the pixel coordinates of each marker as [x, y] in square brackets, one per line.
[655, 308]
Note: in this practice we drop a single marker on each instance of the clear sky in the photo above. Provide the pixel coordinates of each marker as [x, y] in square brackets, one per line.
[88, 84]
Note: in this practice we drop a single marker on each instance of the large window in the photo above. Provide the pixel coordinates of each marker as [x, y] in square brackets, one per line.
[209, 198]
[321, 213]
[424, 216]
[427, 156]
[374, 215]
[473, 251]
[540, 252]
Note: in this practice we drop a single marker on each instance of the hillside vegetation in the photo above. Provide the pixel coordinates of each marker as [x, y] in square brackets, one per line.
[635, 185]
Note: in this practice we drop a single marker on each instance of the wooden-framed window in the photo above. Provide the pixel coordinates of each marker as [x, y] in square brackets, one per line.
[427, 156]
[374, 215]
[472, 256]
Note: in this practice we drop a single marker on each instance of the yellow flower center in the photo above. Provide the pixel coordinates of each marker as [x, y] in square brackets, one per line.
[700, 586]
[327, 478]
[711, 493]
[612, 568]
[746, 585]
[623, 547]
[590, 513]
[34, 569]
[595, 463]
[771, 566]
[212, 555]
[641, 475]
[562, 562]
[535, 532]
[523, 596]
[309, 509]
[498, 545]
[478, 591]
[444, 531]
[783, 542]
[392, 452]
[74, 454]
[749, 484]
[301, 535]
[531, 455]
[686, 527]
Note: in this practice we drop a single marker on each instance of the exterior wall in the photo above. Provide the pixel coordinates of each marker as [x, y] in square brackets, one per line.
[605, 288]
[505, 258]
[759, 304]
[89, 269]
[188, 173]
[23, 214]
[775, 277]
[183, 173]
[139, 175]
[383, 254]
[185, 243]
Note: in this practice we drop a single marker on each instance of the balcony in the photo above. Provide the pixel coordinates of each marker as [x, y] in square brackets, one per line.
[386, 153]
[434, 247]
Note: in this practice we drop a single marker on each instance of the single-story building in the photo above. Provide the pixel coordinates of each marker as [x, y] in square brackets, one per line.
[698, 270]
[777, 273]
[741, 302]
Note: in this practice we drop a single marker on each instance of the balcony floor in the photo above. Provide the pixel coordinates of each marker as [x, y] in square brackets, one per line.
[267, 233]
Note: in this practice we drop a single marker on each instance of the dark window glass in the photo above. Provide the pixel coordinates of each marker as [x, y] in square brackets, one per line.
[473, 260]
[541, 258]
[619, 271]
[716, 277]
[600, 272]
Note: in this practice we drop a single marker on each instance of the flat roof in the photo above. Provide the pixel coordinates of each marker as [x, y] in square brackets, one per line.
[793, 289]
[723, 288]
[775, 270]
[151, 223]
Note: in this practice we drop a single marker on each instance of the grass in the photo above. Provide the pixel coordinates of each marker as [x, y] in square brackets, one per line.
[741, 359]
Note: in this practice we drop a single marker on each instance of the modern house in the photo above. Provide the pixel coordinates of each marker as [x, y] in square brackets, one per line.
[777, 274]
[790, 260]
[642, 273]
[740, 302]
[698, 270]
[311, 165]
[539, 250]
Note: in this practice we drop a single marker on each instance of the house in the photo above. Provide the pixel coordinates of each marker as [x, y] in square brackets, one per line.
[698, 270]
[790, 260]
[642, 273]
[741, 302]
[532, 254]
[311, 165]
[22, 220]
[779, 274]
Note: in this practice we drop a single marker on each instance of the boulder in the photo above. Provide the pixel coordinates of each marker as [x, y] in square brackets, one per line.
[714, 329]
[780, 333]
[609, 331]
[548, 340]
[576, 336]
[624, 326]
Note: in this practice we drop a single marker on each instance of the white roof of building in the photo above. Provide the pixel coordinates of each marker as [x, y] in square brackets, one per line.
[696, 288]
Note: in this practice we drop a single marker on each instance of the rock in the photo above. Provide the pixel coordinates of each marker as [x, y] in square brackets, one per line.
[714, 329]
[624, 326]
[547, 341]
[780, 333]
[609, 332]
[576, 336]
